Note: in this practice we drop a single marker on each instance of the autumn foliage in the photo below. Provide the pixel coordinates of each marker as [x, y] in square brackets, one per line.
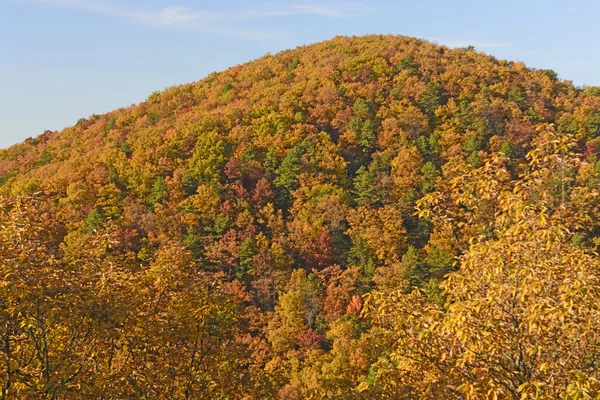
[364, 218]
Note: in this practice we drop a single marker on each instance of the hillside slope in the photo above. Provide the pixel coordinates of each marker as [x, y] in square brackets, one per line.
[367, 217]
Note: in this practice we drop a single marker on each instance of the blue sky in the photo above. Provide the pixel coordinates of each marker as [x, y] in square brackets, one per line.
[61, 60]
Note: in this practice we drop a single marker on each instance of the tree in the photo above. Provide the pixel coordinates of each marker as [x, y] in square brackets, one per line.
[286, 180]
[296, 312]
[519, 318]
[431, 99]
[159, 192]
[208, 158]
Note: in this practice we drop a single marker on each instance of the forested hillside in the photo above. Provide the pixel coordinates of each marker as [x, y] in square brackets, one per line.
[372, 217]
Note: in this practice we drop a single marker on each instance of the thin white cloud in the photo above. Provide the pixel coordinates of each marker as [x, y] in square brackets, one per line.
[82, 5]
[586, 62]
[318, 10]
[172, 17]
[185, 18]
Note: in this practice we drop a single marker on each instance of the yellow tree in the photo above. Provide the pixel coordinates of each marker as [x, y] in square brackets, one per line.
[55, 317]
[521, 313]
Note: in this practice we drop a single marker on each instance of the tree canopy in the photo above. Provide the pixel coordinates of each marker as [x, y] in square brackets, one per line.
[363, 218]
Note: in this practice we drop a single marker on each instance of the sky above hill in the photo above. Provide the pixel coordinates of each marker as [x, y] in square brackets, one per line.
[61, 60]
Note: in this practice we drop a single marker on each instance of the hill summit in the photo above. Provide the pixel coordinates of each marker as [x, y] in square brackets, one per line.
[366, 217]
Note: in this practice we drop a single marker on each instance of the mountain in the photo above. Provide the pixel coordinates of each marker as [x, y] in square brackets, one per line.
[366, 217]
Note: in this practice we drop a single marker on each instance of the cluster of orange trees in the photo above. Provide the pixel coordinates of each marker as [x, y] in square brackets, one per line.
[369, 217]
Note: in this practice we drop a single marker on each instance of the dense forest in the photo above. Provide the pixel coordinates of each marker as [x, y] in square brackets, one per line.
[373, 217]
